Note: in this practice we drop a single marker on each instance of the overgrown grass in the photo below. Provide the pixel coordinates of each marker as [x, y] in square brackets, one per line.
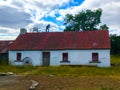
[79, 71]
[16, 69]
[115, 59]
[114, 70]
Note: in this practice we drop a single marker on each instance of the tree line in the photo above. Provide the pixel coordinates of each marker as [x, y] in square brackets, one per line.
[115, 44]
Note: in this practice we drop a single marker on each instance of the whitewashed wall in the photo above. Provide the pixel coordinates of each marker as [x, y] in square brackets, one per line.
[81, 57]
[34, 55]
[76, 57]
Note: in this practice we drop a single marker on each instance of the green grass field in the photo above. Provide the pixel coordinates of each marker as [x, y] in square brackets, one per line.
[114, 70]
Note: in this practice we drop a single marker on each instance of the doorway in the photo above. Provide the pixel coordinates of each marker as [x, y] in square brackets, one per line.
[46, 58]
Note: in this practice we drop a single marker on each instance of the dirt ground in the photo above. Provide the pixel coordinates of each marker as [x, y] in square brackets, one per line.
[51, 82]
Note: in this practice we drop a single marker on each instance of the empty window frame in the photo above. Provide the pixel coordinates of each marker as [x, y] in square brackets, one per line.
[65, 57]
[95, 57]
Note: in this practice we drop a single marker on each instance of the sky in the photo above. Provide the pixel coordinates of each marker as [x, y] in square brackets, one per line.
[16, 14]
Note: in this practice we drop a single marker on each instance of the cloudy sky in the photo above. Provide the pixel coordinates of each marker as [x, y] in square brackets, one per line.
[16, 14]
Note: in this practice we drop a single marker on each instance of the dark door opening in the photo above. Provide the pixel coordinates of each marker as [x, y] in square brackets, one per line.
[46, 58]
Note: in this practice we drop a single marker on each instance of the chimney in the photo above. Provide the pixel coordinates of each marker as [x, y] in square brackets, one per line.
[35, 29]
[23, 31]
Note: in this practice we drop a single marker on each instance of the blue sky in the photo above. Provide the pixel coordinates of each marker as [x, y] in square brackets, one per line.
[16, 14]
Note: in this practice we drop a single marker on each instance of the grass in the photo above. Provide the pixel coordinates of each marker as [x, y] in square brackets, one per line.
[115, 59]
[88, 78]
[3, 62]
[16, 69]
[83, 70]
[79, 71]
[114, 70]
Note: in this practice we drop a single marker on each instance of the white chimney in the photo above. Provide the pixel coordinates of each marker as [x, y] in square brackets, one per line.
[23, 31]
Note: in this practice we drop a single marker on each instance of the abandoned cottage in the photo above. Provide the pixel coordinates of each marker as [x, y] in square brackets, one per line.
[61, 48]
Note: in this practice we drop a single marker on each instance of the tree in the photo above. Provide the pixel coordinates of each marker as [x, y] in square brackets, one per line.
[104, 27]
[84, 20]
[115, 44]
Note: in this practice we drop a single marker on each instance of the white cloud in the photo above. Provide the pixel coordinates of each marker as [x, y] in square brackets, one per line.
[115, 29]
[8, 33]
[16, 14]
[8, 37]
[60, 18]
[41, 25]
[11, 17]
[62, 27]
[8, 30]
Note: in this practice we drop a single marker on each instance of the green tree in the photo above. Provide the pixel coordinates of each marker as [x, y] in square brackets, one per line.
[115, 44]
[84, 20]
[104, 27]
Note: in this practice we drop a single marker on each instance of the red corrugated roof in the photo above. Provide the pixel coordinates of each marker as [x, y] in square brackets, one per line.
[62, 40]
[4, 46]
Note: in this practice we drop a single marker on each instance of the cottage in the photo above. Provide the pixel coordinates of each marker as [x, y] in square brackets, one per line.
[61, 48]
[4, 45]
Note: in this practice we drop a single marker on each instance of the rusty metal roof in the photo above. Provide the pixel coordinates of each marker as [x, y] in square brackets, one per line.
[4, 46]
[62, 40]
